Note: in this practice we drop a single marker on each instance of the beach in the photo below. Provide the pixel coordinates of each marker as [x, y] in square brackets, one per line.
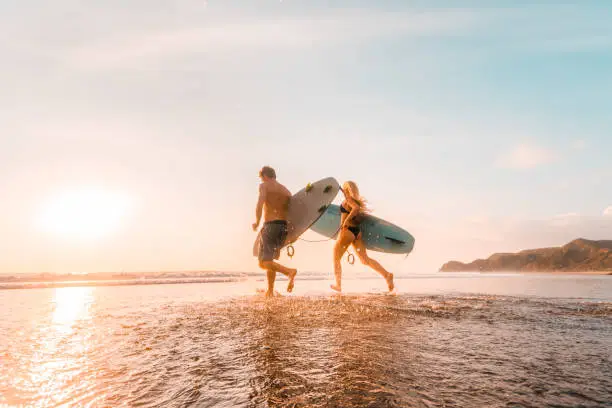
[463, 340]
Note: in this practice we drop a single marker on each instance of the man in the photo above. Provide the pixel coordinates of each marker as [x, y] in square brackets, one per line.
[274, 201]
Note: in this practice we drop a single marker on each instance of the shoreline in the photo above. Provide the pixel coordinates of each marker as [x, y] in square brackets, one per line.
[54, 284]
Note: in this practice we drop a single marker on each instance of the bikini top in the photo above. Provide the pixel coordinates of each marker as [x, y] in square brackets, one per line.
[344, 210]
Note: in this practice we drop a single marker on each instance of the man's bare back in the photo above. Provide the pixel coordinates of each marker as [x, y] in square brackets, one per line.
[276, 200]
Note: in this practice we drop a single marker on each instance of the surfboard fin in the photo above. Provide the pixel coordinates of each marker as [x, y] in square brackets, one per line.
[396, 241]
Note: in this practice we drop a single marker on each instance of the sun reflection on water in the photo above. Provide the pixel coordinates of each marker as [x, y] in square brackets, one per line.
[60, 360]
[71, 305]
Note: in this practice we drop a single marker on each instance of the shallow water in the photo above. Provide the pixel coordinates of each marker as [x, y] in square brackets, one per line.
[220, 345]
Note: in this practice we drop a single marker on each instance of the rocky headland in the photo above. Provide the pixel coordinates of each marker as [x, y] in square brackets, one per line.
[579, 255]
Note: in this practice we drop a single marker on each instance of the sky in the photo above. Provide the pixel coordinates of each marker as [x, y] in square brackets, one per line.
[132, 132]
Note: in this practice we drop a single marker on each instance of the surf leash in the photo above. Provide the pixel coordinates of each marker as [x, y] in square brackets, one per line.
[350, 256]
[291, 249]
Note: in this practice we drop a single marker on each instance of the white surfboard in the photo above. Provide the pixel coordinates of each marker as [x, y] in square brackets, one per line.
[305, 208]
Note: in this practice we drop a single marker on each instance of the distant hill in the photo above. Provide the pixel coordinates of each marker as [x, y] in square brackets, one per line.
[579, 255]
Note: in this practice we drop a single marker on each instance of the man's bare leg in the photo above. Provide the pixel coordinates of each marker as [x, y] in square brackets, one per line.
[271, 277]
[274, 267]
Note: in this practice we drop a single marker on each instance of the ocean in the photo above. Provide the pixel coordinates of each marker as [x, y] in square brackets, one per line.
[443, 340]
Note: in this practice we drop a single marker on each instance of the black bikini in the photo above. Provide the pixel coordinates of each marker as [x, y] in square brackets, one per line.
[354, 229]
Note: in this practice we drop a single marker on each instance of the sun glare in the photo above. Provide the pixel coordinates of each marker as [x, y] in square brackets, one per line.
[84, 214]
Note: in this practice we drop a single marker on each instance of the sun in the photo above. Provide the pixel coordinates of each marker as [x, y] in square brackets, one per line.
[88, 213]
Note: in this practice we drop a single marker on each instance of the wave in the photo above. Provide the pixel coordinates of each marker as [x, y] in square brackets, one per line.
[157, 279]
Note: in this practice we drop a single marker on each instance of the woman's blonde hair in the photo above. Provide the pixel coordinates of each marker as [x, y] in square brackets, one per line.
[350, 189]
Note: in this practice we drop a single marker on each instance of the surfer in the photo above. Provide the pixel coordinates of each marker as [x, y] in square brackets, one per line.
[274, 202]
[351, 209]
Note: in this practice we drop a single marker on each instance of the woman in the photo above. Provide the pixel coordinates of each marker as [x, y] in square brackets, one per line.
[351, 211]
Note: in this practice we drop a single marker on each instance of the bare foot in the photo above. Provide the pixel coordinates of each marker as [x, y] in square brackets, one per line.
[337, 288]
[291, 280]
[269, 293]
[390, 283]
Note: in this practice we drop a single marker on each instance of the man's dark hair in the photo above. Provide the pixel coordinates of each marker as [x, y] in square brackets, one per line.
[268, 172]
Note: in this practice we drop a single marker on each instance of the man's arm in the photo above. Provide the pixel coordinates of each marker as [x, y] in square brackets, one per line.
[259, 207]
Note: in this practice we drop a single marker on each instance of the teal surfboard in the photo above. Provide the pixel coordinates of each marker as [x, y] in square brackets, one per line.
[378, 234]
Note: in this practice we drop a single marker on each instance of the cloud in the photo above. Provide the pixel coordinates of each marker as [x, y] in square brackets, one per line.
[526, 156]
[608, 212]
[248, 34]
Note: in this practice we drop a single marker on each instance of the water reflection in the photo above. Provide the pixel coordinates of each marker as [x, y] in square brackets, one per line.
[369, 368]
[346, 359]
[71, 305]
[130, 346]
[59, 358]
[271, 351]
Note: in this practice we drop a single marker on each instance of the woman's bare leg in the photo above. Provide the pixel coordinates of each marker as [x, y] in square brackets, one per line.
[345, 237]
[362, 253]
